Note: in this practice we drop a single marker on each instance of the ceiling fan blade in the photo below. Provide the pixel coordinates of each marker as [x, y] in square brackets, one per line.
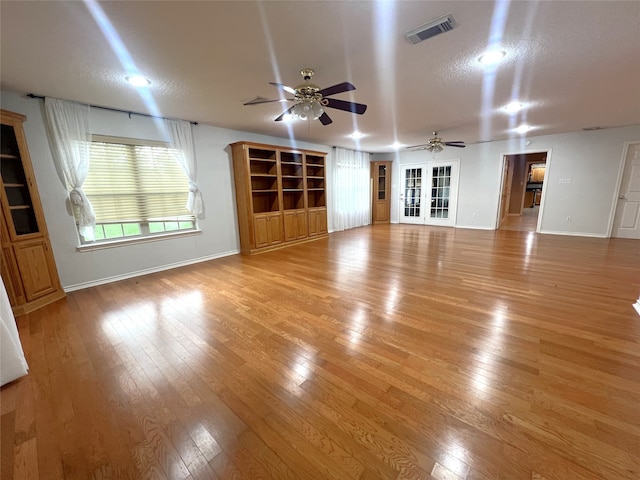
[449, 144]
[284, 87]
[352, 107]
[325, 119]
[422, 146]
[335, 89]
[258, 101]
[286, 112]
[457, 141]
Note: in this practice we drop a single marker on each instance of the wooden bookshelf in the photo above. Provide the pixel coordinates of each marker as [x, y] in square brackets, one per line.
[28, 268]
[280, 195]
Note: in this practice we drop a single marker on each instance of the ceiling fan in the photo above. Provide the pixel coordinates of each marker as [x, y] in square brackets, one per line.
[311, 100]
[436, 144]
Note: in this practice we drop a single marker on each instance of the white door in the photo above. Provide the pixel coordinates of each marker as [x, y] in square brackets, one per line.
[626, 223]
[411, 194]
[429, 193]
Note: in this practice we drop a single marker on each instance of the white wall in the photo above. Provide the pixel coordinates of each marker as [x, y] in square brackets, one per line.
[219, 235]
[592, 160]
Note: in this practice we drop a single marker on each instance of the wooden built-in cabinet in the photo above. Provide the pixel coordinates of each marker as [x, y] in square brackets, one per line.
[28, 268]
[280, 195]
[381, 190]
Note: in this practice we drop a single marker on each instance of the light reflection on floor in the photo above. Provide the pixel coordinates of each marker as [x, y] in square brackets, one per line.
[492, 343]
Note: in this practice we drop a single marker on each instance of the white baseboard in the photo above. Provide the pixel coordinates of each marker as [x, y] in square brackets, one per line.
[575, 234]
[147, 271]
[637, 306]
[475, 227]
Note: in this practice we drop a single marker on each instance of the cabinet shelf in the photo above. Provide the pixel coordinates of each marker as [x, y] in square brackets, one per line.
[264, 175]
[9, 156]
[19, 207]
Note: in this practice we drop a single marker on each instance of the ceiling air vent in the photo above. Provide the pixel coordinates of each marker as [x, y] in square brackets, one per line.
[435, 27]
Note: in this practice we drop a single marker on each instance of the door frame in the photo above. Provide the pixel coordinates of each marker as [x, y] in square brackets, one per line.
[501, 180]
[614, 203]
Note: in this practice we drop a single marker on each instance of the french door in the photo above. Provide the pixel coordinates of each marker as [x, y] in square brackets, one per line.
[429, 193]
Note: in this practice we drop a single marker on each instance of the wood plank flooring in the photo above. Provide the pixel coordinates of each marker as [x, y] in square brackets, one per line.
[386, 352]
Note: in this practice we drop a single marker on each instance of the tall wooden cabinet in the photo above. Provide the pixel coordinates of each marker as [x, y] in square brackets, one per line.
[28, 268]
[381, 192]
[280, 195]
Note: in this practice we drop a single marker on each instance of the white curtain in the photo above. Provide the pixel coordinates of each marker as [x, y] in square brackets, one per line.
[351, 196]
[70, 140]
[181, 138]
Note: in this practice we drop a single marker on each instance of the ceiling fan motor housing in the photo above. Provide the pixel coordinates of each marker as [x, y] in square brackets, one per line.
[308, 92]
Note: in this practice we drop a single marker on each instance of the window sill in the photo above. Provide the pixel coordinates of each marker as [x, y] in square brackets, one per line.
[122, 242]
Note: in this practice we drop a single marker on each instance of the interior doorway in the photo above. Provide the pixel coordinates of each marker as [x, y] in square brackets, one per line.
[523, 177]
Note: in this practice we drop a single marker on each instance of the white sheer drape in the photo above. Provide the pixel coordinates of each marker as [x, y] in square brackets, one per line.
[181, 138]
[70, 140]
[351, 196]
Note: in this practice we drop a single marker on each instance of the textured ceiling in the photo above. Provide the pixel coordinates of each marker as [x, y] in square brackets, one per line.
[576, 64]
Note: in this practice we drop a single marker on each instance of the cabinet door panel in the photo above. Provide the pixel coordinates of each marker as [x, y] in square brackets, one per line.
[317, 222]
[33, 263]
[295, 225]
[313, 223]
[261, 230]
[301, 225]
[275, 229]
[322, 221]
[290, 226]
[381, 214]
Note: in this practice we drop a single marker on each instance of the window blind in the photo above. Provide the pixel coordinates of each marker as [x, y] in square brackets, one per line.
[135, 183]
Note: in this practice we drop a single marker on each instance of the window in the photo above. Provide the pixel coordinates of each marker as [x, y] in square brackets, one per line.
[137, 189]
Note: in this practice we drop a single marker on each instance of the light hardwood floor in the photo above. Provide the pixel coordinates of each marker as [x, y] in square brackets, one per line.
[386, 352]
[527, 222]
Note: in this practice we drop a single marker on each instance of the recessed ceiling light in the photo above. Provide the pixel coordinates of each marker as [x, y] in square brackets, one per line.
[524, 128]
[138, 81]
[492, 57]
[513, 107]
[356, 135]
[396, 145]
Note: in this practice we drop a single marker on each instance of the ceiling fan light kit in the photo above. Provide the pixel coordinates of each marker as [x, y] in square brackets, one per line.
[311, 100]
[306, 109]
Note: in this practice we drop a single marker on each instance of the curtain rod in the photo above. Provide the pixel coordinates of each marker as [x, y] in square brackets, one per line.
[40, 97]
